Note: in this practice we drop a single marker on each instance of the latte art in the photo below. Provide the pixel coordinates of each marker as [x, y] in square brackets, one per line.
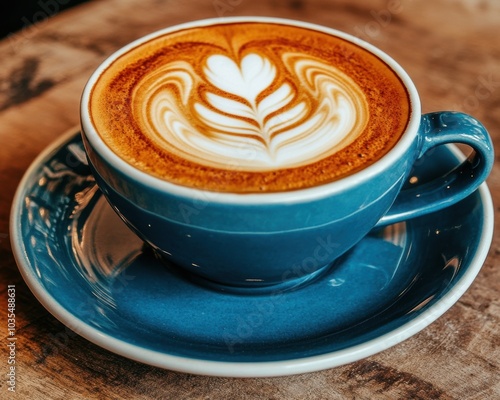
[245, 118]
[248, 107]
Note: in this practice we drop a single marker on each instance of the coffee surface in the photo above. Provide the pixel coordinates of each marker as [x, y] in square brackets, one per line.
[249, 107]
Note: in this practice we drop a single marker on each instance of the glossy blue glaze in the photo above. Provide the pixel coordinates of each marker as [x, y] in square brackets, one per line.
[95, 275]
[437, 129]
[262, 243]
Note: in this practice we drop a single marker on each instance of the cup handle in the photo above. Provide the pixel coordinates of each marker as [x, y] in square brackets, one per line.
[436, 129]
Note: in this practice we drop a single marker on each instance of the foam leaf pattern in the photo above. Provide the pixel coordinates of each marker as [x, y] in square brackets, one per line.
[253, 115]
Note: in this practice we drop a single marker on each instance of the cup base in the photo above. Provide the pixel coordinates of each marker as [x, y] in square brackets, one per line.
[252, 288]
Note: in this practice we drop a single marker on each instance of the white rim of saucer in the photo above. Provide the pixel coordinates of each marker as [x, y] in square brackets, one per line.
[243, 369]
[293, 196]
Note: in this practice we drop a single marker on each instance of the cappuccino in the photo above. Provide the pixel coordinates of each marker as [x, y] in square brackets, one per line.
[249, 107]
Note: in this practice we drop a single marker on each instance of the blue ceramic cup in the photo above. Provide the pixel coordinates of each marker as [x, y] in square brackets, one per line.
[261, 240]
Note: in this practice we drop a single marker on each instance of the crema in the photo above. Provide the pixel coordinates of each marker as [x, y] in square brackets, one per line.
[249, 107]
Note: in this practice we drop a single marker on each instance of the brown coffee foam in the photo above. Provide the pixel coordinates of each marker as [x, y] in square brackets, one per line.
[113, 115]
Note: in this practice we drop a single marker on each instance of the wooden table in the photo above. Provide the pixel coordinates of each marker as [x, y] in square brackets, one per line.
[451, 51]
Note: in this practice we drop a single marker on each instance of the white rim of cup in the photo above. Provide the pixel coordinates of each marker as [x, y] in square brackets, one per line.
[293, 196]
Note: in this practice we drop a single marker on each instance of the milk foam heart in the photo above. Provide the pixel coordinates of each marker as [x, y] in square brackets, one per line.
[249, 107]
[245, 118]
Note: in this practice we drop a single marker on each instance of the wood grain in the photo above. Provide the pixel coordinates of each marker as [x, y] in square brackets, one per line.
[451, 51]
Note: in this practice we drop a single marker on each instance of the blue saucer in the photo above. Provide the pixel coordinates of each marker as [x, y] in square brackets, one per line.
[96, 277]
